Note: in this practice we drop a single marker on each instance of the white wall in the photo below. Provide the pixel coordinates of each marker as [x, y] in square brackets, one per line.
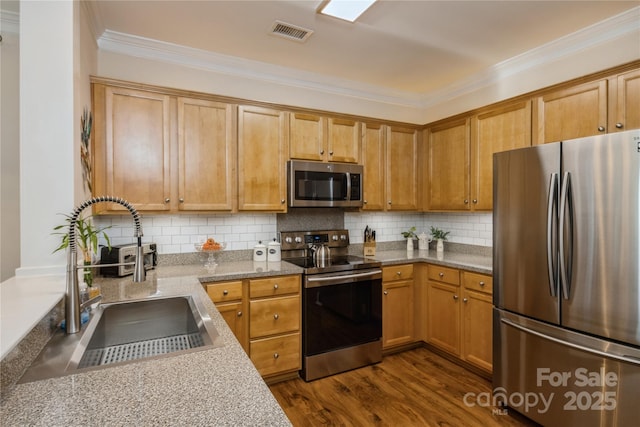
[9, 146]
[54, 68]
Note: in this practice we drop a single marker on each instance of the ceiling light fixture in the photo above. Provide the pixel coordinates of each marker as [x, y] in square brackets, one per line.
[349, 10]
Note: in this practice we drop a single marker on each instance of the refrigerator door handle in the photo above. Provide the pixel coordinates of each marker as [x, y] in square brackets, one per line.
[618, 357]
[551, 224]
[565, 261]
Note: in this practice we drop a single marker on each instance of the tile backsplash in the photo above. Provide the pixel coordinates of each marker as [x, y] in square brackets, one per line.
[178, 233]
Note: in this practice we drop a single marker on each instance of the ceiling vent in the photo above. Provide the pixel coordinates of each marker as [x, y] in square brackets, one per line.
[290, 32]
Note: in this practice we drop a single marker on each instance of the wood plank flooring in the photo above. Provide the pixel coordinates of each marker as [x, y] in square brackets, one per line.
[412, 388]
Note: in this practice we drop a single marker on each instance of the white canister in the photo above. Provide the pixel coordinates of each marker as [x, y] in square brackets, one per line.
[274, 253]
[260, 252]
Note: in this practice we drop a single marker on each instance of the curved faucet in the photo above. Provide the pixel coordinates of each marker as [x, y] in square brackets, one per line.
[72, 303]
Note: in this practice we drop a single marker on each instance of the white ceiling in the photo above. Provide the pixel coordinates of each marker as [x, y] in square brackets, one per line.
[409, 47]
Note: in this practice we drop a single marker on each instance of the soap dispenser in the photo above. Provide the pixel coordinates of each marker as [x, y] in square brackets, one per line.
[260, 252]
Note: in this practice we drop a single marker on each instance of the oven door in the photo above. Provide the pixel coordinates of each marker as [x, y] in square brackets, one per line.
[341, 310]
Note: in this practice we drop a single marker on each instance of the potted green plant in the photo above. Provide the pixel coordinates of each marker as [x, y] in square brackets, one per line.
[439, 236]
[86, 240]
[410, 235]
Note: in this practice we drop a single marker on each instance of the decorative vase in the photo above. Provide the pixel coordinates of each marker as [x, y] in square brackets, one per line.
[409, 245]
[440, 246]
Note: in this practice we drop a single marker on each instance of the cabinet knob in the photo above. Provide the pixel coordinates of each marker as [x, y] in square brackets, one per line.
[321, 151]
[225, 292]
[481, 284]
[275, 286]
[275, 316]
[364, 201]
[399, 273]
[167, 200]
[619, 125]
[455, 297]
[276, 355]
[475, 201]
[466, 201]
[389, 202]
[441, 274]
[331, 153]
[600, 128]
[464, 300]
[386, 293]
[239, 314]
[181, 200]
[282, 201]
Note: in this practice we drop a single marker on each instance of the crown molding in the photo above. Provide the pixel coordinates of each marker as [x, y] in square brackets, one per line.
[600, 33]
[605, 31]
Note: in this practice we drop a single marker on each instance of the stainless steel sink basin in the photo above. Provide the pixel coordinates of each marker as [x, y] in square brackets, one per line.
[128, 331]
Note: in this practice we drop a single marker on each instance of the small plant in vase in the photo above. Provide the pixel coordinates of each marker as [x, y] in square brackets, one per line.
[87, 242]
[410, 235]
[439, 236]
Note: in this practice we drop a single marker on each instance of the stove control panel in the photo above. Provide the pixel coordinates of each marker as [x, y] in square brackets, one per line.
[295, 240]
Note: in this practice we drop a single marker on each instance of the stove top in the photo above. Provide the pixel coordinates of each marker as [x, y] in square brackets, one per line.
[337, 263]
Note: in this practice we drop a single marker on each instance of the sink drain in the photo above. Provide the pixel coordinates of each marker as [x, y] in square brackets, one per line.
[139, 350]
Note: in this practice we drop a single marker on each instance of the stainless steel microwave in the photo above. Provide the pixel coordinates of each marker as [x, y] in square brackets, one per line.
[317, 184]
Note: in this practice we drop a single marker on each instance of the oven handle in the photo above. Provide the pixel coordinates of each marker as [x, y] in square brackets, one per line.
[312, 282]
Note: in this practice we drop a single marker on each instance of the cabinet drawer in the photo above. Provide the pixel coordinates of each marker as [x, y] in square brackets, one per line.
[277, 354]
[477, 282]
[397, 272]
[444, 274]
[274, 316]
[274, 286]
[225, 291]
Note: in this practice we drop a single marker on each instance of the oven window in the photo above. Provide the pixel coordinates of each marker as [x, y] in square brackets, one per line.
[340, 316]
[320, 186]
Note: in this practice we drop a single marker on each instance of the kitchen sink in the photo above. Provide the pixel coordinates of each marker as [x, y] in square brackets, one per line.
[125, 332]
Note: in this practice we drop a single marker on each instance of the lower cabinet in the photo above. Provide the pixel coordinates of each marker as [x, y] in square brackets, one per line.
[459, 314]
[265, 316]
[397, 306]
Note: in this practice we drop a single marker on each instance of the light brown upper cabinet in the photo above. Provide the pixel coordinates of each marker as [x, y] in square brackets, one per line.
[206, 155]
[401, 159]
[499, 129]
[573, 112]
[448, 158]
[314, 137]
[373, 137]
[132, 143]
[262, 156]
[163, 153]
[624, 101]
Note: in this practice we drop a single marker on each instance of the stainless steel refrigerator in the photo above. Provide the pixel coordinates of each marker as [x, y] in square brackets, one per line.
[567, 281]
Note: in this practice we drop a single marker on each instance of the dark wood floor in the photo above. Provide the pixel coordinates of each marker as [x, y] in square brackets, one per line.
[412, 388]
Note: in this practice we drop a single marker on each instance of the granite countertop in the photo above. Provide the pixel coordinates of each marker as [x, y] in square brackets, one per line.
[218, 386]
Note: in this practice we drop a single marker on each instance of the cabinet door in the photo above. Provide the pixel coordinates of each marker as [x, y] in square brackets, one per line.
[625, 102]
[401, 155]
[307, 136]
[448, 170]
[206, 155]
[236, 319]
[443, 325]
[498, 130]
[373, 165]
[397, 313]
[277, 354]
[477, 329]
[343, 141]
[262, 156]
[570, 113]
[137, 144]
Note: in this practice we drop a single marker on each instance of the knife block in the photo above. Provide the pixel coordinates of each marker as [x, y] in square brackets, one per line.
[370, 249]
